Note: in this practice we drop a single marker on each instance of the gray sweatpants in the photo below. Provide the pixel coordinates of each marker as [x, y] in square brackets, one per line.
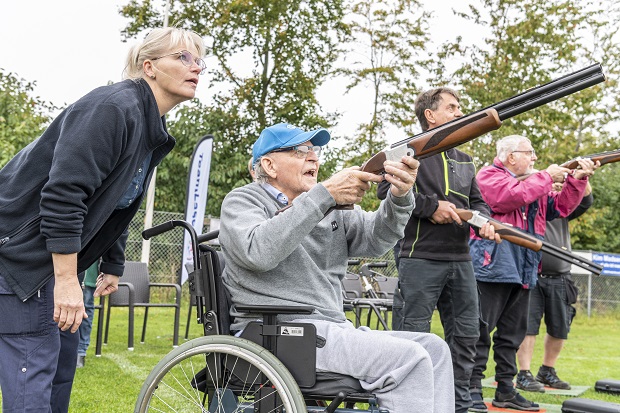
[407, 371]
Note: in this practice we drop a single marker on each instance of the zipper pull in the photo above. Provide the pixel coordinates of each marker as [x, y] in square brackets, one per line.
[4, 241]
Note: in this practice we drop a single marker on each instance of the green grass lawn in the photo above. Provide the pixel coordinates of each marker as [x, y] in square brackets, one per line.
[111, 383]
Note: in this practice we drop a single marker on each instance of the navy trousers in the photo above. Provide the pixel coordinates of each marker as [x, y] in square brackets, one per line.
[37, 360]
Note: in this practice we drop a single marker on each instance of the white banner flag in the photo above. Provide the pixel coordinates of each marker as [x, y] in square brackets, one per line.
[197, 186]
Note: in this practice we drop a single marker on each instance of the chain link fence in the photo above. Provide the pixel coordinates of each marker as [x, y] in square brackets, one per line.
[597, 294]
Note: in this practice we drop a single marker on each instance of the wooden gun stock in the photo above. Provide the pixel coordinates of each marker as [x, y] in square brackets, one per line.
[506, 232]
[603, 158]
[441, 138]
[523, 239]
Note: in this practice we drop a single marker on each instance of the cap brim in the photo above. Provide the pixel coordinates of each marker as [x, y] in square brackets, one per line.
[318, 137]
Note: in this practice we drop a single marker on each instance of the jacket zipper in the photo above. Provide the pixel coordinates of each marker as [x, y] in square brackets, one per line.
[19, 229]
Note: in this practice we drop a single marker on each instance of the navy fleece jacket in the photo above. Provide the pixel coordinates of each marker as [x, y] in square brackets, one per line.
[59, 194]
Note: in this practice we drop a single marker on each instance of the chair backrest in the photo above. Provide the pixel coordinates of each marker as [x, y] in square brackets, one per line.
[137, 274]
[352, 286]
[387, 286]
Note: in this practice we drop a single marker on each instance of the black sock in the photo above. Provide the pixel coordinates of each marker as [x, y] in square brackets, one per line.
[505, 387]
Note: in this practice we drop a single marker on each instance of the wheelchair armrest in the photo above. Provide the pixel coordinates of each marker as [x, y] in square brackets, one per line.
[275, 309]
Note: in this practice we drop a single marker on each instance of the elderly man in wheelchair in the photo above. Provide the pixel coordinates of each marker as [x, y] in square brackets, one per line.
[286, 240]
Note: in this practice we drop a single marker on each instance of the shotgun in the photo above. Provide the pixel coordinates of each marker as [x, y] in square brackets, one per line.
[603, 158]
[485, 120]
[523, 239]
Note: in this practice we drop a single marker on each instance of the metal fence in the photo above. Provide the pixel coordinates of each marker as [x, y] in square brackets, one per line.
[600, 294]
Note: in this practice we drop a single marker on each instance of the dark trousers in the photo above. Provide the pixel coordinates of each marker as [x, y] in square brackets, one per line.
[451, 287]
[37, 360]
[504, 307]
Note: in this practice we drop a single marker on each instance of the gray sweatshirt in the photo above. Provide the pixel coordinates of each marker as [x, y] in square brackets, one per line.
[298, 257]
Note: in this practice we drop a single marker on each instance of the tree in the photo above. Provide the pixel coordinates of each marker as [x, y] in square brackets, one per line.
[387, 39]
[22, 116]
[288, 48]
[531, 43]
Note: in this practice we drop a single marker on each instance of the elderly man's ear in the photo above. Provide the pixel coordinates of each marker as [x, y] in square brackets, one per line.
[269, 166]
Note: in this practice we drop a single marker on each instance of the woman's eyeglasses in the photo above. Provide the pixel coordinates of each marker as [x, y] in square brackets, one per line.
[187, 59]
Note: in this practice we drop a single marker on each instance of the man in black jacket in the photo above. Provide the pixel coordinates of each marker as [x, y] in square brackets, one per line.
[435, 267]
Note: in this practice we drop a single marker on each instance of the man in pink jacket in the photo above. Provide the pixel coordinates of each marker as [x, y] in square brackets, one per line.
[505, 272]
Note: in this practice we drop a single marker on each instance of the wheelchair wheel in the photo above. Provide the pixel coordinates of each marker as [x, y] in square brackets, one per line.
[221, 374]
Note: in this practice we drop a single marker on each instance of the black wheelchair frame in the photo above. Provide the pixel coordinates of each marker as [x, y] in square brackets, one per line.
[269, 368]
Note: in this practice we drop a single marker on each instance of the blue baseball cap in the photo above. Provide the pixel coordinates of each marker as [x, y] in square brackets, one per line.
[284, 135]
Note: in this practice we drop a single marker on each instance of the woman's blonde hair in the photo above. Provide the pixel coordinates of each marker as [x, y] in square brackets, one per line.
[157, 43]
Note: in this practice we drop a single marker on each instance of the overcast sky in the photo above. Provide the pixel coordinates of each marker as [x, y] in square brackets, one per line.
[69, 47]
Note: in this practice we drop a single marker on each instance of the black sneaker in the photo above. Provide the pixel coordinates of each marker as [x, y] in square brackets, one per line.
[514, 401]
[478, 405]
[526, 381]
[549, 377]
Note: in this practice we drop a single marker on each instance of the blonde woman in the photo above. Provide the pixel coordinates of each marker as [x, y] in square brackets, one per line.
[66, 199]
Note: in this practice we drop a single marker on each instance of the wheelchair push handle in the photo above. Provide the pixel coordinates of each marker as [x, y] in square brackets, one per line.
[165, 227]
[208, 236]
[169, 225]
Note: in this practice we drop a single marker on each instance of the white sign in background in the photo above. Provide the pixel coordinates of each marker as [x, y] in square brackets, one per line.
[197, 190]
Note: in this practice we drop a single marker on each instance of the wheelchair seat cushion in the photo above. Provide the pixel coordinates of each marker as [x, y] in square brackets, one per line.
[330, 384]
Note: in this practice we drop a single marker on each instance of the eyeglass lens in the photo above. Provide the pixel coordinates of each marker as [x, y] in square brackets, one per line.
[187, 59]
[303, 150]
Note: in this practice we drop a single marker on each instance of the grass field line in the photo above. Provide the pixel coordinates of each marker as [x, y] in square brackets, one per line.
[127, 367]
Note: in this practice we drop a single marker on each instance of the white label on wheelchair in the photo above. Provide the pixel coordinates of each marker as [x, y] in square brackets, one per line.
[292, 331]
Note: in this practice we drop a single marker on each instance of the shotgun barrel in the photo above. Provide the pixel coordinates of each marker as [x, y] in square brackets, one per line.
[487, 119]
[526, 240]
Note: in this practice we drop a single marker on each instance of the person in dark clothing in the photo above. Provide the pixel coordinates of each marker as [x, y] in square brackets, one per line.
[67, 199]
[551, 298]
[434, 264]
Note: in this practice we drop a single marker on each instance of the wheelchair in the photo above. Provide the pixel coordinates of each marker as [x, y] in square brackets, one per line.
[271, 367]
